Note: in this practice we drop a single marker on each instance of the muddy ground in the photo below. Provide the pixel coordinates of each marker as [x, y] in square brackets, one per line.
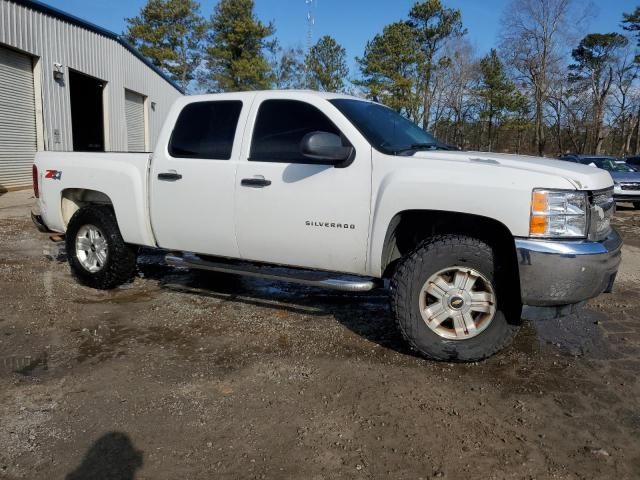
[177, 376]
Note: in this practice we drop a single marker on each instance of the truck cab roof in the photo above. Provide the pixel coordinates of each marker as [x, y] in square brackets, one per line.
[288, 94]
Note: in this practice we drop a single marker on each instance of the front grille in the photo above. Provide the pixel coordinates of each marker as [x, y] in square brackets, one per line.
[630, 186]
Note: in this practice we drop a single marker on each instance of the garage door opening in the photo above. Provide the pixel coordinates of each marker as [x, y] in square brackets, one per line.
[17, 119]
[135, 114]
[87, 112]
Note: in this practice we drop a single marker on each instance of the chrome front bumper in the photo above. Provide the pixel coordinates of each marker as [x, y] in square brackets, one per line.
[554, 273]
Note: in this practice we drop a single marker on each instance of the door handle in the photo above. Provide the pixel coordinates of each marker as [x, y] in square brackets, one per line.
[169, 176]
[255, 182]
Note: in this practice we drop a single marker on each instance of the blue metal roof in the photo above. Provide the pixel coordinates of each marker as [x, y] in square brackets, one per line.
[67, 17]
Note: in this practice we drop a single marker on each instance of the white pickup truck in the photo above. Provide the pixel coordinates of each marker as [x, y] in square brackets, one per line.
[346, 193]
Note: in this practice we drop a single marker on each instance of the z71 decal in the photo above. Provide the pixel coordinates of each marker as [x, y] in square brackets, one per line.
[53, 174]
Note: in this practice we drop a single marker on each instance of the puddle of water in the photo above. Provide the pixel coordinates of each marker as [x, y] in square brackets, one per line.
[110, 340]
[579, 334]
[27, 366]
[117, 297]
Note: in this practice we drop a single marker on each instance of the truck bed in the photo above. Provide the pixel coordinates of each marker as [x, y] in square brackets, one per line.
[67, 179]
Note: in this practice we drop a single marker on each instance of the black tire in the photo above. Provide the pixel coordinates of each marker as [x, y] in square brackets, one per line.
[120, 265]
[636, 205]
[431, 256]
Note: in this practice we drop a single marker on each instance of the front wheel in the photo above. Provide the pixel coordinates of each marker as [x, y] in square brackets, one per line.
[97, 254]
[446, 301]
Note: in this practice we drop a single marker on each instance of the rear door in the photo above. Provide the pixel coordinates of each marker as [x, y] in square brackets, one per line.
[293, 212]
[193, 177]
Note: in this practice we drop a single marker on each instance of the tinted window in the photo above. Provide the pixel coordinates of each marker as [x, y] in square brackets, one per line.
[281, 126]
[205, 130]
[608, 164]
[385, 129]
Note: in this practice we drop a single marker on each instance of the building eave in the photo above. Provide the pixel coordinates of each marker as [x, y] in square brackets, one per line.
[79, 22]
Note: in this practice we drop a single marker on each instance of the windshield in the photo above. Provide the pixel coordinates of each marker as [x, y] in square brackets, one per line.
[385, 129]
[609, 164]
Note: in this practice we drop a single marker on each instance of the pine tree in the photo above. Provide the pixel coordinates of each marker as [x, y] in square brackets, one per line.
[498, 93]
[433, 24]
[389, 69]
[170, 34]
[631, 23]
[326, 65]
[593, 70]
[289, 68]
[236, 46]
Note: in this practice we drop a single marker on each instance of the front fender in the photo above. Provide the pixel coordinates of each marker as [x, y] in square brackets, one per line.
[501, 194]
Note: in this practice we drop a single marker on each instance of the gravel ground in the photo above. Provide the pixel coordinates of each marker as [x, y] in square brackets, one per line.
[178, 375]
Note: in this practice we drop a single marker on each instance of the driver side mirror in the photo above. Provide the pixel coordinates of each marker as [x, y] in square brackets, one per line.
[324, 148]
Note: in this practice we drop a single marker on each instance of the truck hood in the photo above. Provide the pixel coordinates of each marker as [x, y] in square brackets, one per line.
[626, 176]
[582, 177]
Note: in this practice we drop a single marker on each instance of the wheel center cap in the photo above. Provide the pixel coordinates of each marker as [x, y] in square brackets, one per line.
[456, 302]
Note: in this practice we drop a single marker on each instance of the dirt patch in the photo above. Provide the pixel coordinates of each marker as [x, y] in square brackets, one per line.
[181, 375]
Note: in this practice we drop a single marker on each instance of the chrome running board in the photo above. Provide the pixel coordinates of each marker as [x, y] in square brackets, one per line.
[310, 278]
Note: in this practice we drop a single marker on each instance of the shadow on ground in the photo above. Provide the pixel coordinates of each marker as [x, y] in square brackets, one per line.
[366, 314]
[111, 457]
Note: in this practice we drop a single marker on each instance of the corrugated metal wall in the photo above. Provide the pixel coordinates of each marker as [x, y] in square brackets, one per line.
[55, 41]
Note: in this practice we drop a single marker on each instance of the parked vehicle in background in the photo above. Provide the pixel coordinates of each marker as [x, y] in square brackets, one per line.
[626, 180]
[331, 185]
[633, 162]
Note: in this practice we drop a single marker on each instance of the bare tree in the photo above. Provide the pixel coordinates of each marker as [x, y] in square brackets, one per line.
[571, 109]
[625, 98]
[532, 43]
[454, 103]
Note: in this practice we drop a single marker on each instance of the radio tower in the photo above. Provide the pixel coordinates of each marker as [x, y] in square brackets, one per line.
[311, 21]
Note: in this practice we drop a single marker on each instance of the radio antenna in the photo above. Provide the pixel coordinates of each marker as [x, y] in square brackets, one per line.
[311, 21]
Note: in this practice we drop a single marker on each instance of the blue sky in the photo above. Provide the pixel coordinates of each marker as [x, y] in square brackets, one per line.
[351, 22]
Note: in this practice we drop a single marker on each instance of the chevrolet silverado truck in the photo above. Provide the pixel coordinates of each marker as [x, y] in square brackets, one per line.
[334, 191]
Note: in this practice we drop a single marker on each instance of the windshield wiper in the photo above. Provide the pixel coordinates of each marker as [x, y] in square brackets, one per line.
[416, 147]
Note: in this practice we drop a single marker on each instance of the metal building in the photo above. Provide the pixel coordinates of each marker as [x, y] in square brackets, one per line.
[66, 84]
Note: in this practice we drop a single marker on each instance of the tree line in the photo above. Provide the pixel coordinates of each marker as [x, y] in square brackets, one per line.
[546, 88]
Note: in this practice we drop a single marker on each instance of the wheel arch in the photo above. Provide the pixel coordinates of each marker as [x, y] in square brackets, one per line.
[73, 199]
[408, 228]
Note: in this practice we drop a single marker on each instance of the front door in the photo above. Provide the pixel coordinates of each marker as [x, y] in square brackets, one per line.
[293, 212]
[192, 180]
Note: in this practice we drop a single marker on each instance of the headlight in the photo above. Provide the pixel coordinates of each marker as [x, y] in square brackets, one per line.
[603, 209]
[558, 214]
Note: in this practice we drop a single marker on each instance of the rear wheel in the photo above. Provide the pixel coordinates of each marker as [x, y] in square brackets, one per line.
[446, 301]
[97, 254]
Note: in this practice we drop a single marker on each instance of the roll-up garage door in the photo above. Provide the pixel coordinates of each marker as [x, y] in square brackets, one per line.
[134, 108]
[17, 119]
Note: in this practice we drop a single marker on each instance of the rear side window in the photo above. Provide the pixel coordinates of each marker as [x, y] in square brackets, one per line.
[205, 130]
[280, 127]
